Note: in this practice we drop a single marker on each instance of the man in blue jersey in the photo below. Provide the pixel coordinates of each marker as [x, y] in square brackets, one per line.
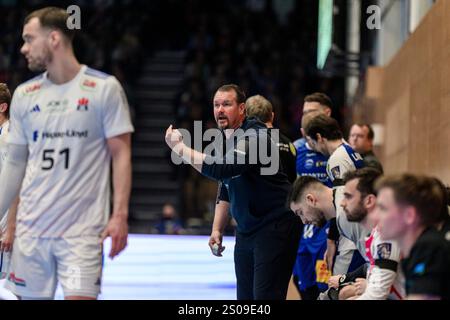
[313, 242]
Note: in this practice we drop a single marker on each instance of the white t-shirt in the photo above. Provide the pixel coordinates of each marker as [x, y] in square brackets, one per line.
[3, 153]
[66, 189]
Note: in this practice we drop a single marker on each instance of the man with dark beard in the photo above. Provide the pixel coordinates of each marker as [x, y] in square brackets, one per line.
[356, 220]
[384, 278]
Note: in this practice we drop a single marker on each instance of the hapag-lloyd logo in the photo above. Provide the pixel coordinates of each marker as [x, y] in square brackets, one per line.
[253, 147]
[60, 134]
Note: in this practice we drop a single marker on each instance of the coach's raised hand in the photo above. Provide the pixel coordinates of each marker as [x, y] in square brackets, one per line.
[173, 138]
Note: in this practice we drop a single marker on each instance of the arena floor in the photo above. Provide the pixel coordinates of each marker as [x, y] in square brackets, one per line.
[156, 267]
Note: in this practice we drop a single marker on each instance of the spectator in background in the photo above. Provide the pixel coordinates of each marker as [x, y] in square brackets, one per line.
[169, 223]
[361, 140]
[261, 108]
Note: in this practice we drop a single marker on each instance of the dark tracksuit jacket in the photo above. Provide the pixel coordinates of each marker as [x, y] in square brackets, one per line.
[255, 199]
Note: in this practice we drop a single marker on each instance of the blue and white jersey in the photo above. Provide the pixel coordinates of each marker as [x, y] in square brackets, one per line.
[313, 242]
[343, 160]
[311, 163]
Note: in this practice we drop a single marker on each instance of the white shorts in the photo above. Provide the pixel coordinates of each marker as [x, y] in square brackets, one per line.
[38, 264]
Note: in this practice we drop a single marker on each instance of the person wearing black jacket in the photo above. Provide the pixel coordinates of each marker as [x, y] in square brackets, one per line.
[410, 207]
[261, 108]
[255, 192]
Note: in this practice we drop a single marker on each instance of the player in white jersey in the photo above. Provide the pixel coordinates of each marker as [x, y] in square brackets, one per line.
[7, 223]
[384, 276]
[67, 124]
[324, 135]
[385, 279]
[315, 203]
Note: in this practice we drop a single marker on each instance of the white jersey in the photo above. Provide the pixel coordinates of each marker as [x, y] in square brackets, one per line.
[3, 153]
[385, 278]
[66, 189]
[353, 231]
[343, 160]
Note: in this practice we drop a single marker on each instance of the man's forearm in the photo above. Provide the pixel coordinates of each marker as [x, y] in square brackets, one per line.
[12, 214]
[122, 185]
[121, 163]
[191, 156]
[221, 216]
[232, 164]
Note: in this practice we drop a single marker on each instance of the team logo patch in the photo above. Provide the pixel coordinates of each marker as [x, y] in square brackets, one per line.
[336, 172]
[32, 88]
[321, 164]
[83, 104]
[57, 106]
[88, 85]
[309, 164]
[35, 109]
[384, 250]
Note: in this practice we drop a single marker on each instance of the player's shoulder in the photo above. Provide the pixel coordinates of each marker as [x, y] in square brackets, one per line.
[339, 155]
[345, 146]
[430, 244]
[431, 238]
[300, 143]
[88, 71]
[430, 249]
[94, 80]
[31, 86]
[352, 154]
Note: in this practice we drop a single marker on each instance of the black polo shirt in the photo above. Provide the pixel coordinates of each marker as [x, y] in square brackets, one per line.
[427, 269]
